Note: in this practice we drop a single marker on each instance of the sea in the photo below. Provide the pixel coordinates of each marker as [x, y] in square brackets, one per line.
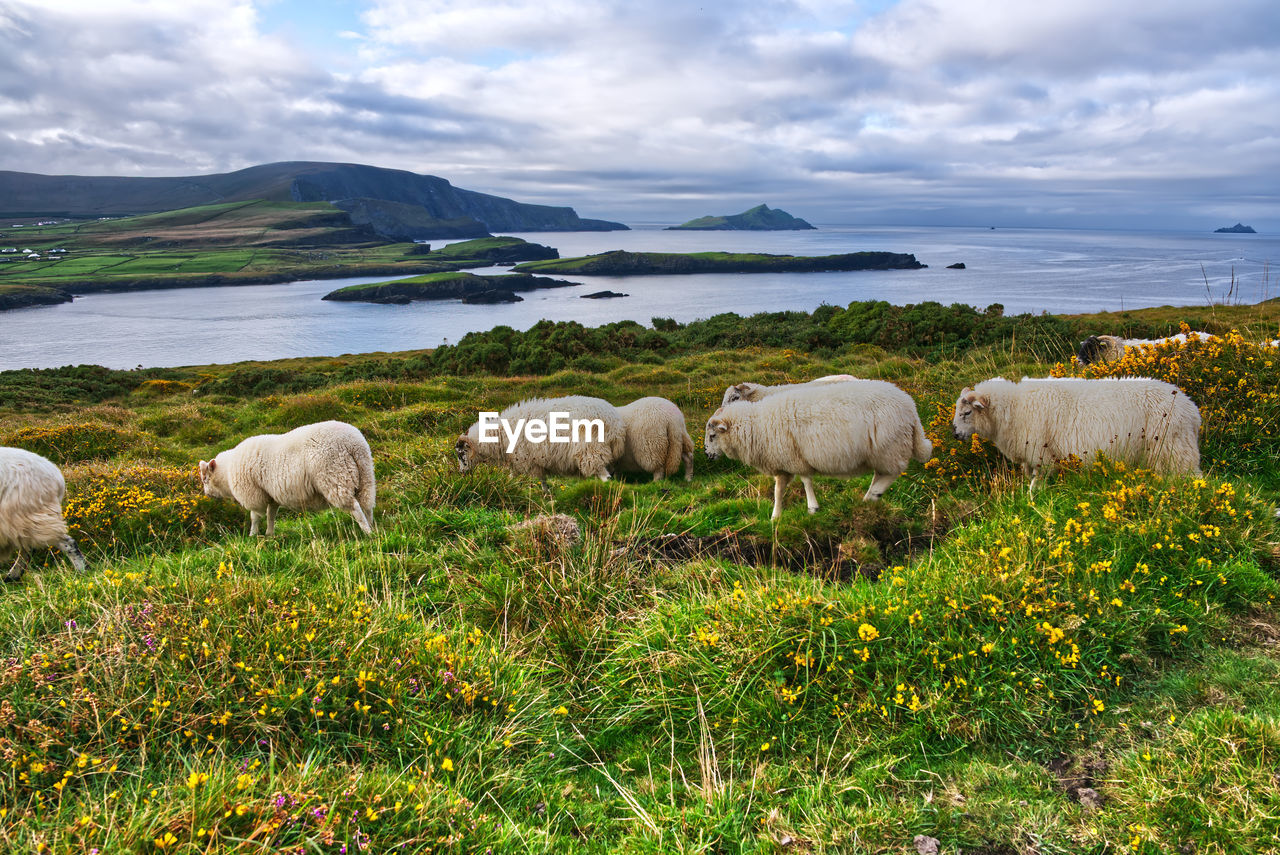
[1025, 270]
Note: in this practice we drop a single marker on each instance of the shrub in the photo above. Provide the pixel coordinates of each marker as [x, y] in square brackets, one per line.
[74, 443]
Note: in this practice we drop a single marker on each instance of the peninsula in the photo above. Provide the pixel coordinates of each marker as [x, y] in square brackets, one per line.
[761, 218]
[622, 263]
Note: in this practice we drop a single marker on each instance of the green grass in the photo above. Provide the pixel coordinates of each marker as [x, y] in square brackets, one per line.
[962, 660]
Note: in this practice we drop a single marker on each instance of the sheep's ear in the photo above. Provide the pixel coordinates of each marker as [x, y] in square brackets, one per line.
[742, 387]
[213, 464]
[981, 402]
[718, 425]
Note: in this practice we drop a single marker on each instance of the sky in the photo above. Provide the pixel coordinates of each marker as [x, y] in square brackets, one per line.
[1057, 113]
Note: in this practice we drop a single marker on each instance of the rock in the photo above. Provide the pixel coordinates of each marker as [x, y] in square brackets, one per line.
[926, 845]
[959, 265]
[1237, 229]
[1089, 798]
[393, 300]
[603, 295]
[493, 296]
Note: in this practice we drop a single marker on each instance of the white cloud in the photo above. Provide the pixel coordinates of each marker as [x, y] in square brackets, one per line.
[669, 109]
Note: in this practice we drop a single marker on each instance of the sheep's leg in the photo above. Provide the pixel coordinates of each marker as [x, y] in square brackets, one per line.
[879, 484]
[810, 496]
[688, 466]
[254, 517]
[69, 549]
[657, 476]
[357, 513]
[271, 518]
[780, 483]
[17, 568]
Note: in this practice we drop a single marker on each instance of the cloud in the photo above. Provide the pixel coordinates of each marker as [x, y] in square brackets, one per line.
[1058, 112]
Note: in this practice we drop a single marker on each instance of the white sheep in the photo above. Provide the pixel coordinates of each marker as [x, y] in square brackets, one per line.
[588, 454]
[31, 493]
[840, 429]
[323, 465]
[1038, 422]
[756, 391]
[657, 439]
[1108, 348]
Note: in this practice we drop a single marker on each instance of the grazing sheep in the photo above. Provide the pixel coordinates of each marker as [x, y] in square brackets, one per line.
[588, 454]
[31, 493]
[324, 465]
[842, 429]
[1038, 422]
[756, 391]
[657, 440]
[1108, 348]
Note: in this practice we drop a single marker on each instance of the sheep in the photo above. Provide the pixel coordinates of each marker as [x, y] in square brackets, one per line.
[1108, 348]
[588, 454]
[1038, 422]
[317, 466]
[842, 429]
[657, 439]
[756, 391]
[31, 493]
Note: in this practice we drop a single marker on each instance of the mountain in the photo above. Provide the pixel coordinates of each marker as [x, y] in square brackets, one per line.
[760, 218]
[397, 204]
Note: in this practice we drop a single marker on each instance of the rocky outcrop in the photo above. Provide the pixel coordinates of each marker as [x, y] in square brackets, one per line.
[24, 296]
[759, 218]
[494, 296]
[959, 265]
[1237, 229]
[622, 263]
[603, 295]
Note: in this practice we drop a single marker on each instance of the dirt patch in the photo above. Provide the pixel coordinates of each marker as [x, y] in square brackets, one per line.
[1079, 778]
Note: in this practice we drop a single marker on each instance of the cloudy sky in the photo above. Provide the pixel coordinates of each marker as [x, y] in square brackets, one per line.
[1160, 113]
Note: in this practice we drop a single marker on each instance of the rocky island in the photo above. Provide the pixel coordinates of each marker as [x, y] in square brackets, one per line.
[455, 285]
[622, 263]
[760, 218]
[1237, 229]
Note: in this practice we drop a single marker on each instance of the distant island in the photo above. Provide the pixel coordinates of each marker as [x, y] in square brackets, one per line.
[1237, 229]
[622, 263]
[761, 218]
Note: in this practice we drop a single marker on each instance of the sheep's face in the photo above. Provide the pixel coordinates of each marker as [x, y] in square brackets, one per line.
[214, 479]
[1090, 350]
[739, 392]
[969, 408]
[466, 453]
[717, 427]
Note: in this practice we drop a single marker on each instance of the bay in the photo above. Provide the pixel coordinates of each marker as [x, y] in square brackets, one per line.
[1025, 270]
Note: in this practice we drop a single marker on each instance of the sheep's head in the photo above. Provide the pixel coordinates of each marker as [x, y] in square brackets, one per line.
[214, 479]
[740, 392]
[717, 427]
[970, 407]
[1090, 350]
[466, 452]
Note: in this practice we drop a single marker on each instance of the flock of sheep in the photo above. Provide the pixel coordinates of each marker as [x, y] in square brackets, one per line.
[838, 426]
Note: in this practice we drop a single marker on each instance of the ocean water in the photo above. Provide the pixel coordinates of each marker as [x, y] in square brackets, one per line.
[1026, 270]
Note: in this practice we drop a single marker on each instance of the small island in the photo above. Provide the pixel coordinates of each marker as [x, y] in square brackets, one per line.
[622, 263]
[1237, 229]
[454, 285]
[761, 218]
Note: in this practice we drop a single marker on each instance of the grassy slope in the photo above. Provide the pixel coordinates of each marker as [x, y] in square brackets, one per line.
[212, 244]
[454, 684]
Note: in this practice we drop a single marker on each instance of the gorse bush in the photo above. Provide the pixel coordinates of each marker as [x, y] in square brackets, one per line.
[1236, 384]
[75, 443]
[142, 508]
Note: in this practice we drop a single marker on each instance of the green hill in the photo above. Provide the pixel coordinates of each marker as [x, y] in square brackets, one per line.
[759, 218]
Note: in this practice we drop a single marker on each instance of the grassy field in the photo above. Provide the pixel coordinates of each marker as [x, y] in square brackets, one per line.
[1089, 668]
